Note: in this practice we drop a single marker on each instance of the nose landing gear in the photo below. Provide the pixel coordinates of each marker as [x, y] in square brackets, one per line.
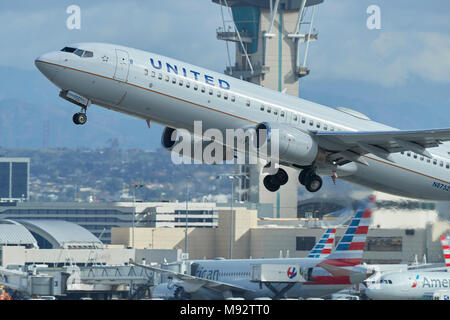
[80, 118]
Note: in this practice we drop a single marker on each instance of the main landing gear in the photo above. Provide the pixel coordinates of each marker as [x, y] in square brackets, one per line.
[80, 118]
[307, 177]
[310, 180]
[274, 181]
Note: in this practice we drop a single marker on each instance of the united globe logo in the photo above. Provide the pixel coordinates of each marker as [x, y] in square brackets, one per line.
[291, 272]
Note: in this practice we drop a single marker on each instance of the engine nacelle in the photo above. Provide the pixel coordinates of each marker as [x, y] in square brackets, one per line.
[294, 146]
[185, 145]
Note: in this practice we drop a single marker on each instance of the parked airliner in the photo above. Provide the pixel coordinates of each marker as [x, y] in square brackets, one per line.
[318, 140]
[413, 285]
[179, 289]
[321, 273]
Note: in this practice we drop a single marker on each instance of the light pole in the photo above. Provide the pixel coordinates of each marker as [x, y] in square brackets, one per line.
[134, 186]
[134, 214]
[186, 225]
[232, 177]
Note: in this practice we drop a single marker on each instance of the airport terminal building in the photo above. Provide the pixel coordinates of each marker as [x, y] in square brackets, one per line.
[402, 231]
[99, 218]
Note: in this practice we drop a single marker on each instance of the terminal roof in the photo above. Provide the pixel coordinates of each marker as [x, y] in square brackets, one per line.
[13, 233]
[62, 234]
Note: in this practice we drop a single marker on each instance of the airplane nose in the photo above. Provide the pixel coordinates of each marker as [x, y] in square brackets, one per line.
[48, 64]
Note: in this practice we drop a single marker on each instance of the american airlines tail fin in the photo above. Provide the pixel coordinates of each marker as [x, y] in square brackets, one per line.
[323, 247]
[350, 248]
[445, 241]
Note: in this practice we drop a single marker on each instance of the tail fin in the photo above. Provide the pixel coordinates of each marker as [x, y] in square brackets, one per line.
[445, 241]
[323, 247]
[350, 248]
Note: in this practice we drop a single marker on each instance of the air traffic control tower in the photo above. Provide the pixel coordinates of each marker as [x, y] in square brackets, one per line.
[271, 40]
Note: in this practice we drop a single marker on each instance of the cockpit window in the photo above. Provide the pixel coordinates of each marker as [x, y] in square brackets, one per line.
[68, 49]
[79, 52]
[88, 54]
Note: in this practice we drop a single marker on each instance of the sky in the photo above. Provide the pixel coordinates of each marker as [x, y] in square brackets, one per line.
[398, 74]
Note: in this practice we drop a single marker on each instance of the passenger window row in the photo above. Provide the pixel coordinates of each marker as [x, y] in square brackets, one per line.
[428, 160]
[234, 273]
[225, 96]
[324, 127]
[195, 86]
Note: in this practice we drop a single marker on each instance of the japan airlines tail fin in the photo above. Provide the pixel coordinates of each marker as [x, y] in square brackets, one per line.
[323, 247]
[445, 241]
[350, 248]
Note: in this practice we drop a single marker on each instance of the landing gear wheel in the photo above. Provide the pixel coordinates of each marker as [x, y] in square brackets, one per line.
[181, 294]
[282, 177]
[302, 176]
[313, 183]
[79, 118]
[271, 183]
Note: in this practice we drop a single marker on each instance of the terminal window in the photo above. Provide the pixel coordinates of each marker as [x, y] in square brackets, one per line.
[305, 243]
[19, 180]
[384, 244]
[4, 180]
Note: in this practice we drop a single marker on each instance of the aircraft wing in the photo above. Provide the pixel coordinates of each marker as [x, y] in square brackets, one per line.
[193, 283]
[350, 146]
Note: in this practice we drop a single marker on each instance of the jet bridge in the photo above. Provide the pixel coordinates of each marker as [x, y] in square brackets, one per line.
[39, 280]
[286, 275]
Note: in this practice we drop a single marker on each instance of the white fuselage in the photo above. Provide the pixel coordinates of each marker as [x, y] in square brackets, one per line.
[175, 94]
[409, 285]
[238, 272]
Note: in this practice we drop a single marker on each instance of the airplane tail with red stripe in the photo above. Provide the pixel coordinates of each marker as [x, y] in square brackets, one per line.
[445, 241]
[349, 250]
[323, 247]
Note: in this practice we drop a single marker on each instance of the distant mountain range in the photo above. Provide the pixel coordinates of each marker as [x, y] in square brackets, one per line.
[33, 116]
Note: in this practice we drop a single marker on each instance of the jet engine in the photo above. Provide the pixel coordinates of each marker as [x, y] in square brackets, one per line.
[184, 144]
[294, 146]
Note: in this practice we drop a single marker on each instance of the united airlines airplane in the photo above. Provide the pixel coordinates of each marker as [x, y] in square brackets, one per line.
[318, 140]
[318, 275]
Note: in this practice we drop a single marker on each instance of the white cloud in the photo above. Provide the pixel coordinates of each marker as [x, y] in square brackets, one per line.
[182, 29]
[391, 59]
[186, 30]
